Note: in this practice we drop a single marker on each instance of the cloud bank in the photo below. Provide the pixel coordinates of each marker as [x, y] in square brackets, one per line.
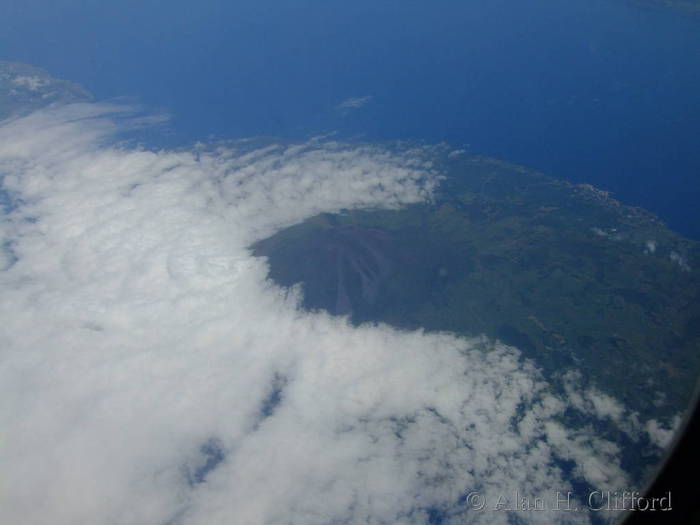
[151, 373]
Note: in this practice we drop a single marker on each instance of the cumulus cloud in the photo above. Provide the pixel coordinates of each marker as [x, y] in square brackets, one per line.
[680, 260]
[151, 373]
[662, 434]
[588, 399]
[30, 82]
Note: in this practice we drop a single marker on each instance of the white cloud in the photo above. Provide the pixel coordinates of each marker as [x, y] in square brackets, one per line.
[32, 83]
[151, 373]
[353, 103]
[662, 434]
[590, 400]
[680, 260]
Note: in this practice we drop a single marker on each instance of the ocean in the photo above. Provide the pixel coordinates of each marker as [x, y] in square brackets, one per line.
[596, 91]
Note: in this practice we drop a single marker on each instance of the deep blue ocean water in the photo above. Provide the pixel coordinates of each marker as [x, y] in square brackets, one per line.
[590, 90]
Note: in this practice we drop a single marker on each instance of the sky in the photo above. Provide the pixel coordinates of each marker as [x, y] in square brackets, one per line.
[596, 91]
[151, 373]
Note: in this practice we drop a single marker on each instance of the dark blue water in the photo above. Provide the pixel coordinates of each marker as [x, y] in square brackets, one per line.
[590, 90]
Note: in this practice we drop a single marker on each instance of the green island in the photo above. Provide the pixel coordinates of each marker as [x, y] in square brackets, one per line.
[565, 273]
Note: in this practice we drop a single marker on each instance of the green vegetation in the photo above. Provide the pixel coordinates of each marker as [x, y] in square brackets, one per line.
[568, 275]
